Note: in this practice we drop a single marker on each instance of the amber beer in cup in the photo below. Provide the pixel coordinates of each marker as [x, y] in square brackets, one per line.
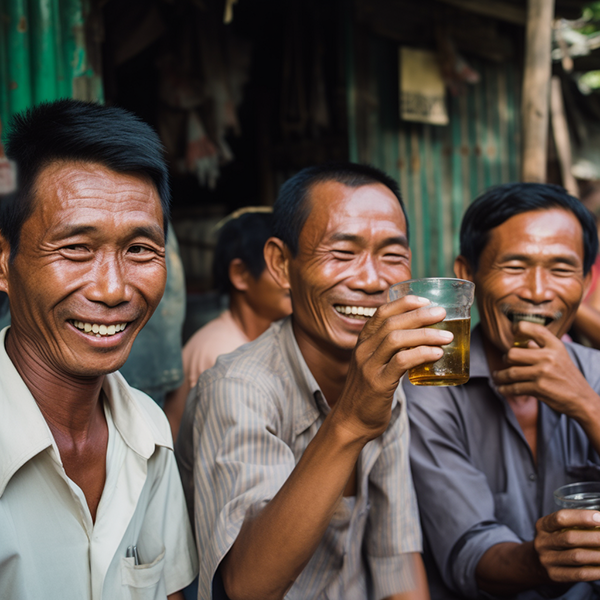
[456, 296]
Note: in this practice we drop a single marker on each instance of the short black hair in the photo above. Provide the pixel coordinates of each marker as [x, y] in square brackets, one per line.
[241, 237]
[292, 208]
[500, 203]
[75, 131]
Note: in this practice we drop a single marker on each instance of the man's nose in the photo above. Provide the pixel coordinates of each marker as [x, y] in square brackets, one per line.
[536, 286]
[109, 285]
[368, 277]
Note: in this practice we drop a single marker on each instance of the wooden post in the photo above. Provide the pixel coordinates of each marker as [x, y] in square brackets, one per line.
[536, 87]
[561, 137]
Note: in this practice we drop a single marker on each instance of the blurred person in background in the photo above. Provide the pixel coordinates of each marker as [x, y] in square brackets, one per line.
[255, 300]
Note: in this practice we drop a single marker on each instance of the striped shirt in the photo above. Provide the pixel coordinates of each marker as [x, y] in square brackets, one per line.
[256, 412]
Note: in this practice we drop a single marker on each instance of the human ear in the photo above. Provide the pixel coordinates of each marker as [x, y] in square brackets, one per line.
[462, 268]
[277, 261]
[238, 274]
[4, 256]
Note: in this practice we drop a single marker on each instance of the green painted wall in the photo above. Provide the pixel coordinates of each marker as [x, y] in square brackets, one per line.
[441, 169]
[43, 54]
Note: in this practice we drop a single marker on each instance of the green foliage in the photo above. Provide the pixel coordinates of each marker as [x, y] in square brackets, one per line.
[591, 16]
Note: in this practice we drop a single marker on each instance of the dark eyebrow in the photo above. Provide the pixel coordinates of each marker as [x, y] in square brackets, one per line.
[349, 237]
[153, 232]
[527, 259]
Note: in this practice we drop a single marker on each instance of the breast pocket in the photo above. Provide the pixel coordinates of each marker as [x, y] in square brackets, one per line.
[144, 582]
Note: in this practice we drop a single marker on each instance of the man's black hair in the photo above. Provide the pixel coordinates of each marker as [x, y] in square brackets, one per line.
[243, 237]
[500, 203]
[75, 131]
[292, 208]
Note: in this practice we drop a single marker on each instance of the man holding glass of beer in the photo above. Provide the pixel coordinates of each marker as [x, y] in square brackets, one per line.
[302, 482]
[488, 455]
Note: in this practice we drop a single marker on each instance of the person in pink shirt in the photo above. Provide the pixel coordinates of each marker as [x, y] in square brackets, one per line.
[255, 301]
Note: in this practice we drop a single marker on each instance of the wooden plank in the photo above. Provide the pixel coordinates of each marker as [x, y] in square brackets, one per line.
[536, 83]
[351, 90]
[415, 180]
[435, 176]
[503, 125]
[465, 151]
[424, 151]
[457, 181]
[561, 137]
[493, 148]
[492, 8]
[474, 150]
[512, 127]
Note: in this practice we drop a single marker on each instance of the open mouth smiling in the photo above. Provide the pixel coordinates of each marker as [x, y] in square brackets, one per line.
[98, 330]
[355, 312]
[540, 319]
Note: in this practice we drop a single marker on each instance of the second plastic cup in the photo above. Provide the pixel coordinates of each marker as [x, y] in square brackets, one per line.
[456, 296]
[585, 494]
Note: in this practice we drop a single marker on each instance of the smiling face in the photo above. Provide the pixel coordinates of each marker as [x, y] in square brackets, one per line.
[351, 249]
[531, 265]
[90, 269]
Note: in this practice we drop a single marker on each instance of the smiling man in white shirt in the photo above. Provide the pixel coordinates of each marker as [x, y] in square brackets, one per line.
[91, 504]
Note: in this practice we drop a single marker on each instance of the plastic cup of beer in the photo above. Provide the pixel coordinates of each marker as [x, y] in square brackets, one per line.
[456, 296]
[585, 494]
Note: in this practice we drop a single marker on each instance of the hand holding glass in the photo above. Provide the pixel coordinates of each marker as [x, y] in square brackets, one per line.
[456, 296]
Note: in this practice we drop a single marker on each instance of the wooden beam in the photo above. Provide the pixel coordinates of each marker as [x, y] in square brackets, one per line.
[561, 137]
[536, 84]
[492, 8]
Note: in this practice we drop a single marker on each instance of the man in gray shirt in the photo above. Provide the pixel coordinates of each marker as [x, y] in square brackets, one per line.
[486, 456]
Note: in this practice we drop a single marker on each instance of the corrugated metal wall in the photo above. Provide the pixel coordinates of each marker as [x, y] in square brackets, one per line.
[440, 169]
[43, 54]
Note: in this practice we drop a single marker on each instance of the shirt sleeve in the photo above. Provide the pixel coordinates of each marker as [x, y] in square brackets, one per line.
[241, 464]
[455, 501]
[393, 532]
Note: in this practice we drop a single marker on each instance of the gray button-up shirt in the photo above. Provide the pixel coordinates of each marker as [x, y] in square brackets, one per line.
[255, 412]
[477, 483]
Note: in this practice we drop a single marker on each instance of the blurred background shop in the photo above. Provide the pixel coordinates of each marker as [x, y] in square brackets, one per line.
[448, 96]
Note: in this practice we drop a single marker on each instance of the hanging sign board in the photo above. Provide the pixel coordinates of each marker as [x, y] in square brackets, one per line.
[422, 90]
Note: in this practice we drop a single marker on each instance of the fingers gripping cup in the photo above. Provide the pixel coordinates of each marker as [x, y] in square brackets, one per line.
[456, 296]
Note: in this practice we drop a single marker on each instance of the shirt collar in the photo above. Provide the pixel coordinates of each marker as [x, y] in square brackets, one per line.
[308, 402]
[24, 432]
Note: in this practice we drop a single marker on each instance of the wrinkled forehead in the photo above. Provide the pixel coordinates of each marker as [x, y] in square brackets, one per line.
[537, 232]
[335, 208]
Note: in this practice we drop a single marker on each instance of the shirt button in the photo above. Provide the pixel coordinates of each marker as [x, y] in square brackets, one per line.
[532, 477]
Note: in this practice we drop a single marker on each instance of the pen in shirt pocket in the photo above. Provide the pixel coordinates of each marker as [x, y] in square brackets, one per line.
[132, 551]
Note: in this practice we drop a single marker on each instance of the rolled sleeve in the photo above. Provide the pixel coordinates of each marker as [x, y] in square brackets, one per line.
[394, 532]
[241, 464]
[455, 501]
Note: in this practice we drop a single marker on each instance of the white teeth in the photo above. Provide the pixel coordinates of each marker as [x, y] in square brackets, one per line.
[359, 311]
[99, 330]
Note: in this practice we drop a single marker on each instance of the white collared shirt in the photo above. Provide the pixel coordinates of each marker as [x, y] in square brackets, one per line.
[49, 546]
